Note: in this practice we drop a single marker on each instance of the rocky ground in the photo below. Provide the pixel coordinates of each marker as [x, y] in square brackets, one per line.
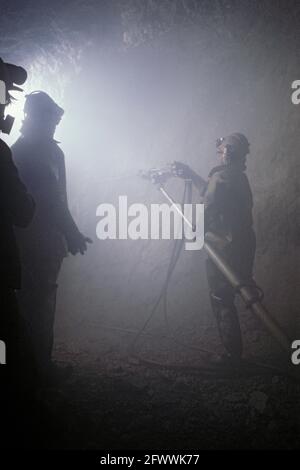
[112, 401]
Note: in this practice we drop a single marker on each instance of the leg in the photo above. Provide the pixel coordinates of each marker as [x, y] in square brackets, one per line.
[38, 304]
[18, 375]
[9, 334]
[222, 302]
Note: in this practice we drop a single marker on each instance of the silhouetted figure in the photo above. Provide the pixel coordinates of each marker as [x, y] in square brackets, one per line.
[229, 226]
[16, 210]
[53, 232]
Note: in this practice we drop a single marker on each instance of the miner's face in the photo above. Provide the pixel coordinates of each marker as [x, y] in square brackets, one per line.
[223, 158]
[221, 153]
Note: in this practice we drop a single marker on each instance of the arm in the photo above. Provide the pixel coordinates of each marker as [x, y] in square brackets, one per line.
[57, 209]
[76, 241]
[184, 171]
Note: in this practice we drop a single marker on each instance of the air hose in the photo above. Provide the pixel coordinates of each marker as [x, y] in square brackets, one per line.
[163, 298]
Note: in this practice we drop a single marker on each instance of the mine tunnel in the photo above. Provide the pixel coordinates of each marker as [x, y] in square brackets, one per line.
[144, 84]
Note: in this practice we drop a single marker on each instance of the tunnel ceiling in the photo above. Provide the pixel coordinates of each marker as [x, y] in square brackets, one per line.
[63, 30]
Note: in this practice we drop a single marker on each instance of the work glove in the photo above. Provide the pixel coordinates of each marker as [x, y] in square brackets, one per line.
[77, 243]
[182, 170]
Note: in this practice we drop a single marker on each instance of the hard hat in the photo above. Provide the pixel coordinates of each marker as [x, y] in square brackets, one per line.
[12, 75]
[40, 103]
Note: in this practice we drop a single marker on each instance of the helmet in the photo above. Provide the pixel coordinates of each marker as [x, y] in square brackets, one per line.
[236, 145]
[12, 74]
[39, 103]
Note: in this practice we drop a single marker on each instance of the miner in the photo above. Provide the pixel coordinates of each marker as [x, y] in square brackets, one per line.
[52, 233]
[17, 371]
[16, 209]
[228, 205]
